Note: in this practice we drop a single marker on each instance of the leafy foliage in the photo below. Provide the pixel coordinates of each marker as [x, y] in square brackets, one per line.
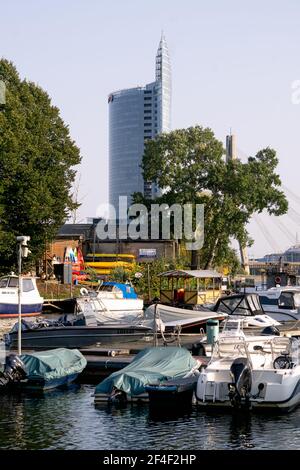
[37, 157]
[189, 165]
[149, 275]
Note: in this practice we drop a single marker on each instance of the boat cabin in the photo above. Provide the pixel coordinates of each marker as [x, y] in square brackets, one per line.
[31, 301]
[7, 282]
[190, 287]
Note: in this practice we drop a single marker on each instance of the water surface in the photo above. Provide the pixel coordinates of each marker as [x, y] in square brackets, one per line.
[69, 420]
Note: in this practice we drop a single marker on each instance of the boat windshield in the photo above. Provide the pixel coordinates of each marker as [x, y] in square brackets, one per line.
[13, 282]
[3, 282]
[289, 300]
[235, 306]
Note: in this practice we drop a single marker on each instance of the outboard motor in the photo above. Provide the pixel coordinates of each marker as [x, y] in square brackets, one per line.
[14, 370]
[117, 396]
[239, 390]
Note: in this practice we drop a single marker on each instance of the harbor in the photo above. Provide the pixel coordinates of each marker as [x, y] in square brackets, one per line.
[149, 233]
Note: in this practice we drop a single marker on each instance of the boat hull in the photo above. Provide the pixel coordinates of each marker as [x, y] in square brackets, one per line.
[283, 401]
[10, 310]
[170, 395]
[76, 336]
[286, 407]
[50, 384]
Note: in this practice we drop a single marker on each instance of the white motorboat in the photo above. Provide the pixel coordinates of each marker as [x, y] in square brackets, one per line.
[112, 301]
[281, 303]
[246, 306]
[31, 301]
[254, 372]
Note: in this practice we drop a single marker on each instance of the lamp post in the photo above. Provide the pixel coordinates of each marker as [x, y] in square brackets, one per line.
[23, 252]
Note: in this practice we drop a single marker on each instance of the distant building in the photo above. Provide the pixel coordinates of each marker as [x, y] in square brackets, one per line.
[84, 236]
[135, 115]
[270, 258]
[292, 255]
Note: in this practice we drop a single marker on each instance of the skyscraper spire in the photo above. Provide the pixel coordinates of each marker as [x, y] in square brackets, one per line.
[164, 85]
[163, 65]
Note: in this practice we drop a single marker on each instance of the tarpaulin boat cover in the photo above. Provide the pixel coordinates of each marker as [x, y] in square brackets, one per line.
[172, 316]
[151, 365]
[54, 364]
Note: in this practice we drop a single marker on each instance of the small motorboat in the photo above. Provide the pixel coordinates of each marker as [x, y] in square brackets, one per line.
[75, 331]
[43, 370]
[31, 301]
[150, 366]
[251, 372]
[114, 299]
[246, 306]
[281, 303]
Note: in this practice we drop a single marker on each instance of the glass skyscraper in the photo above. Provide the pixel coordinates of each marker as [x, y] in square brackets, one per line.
[135, 115]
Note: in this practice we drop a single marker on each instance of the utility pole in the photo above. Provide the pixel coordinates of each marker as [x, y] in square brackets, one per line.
[231, 154]
[23, 252]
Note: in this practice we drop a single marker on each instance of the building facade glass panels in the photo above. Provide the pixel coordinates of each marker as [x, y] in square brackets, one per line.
[135, 115]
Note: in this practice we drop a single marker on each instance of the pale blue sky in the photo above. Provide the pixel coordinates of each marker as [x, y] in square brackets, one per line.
[233, 65]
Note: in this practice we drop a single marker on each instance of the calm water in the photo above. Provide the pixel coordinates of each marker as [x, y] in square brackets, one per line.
[69, 420]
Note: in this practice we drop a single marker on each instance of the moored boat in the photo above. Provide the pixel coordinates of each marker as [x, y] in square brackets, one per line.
[31, 301]
[114, 299]
[251, 372]
[42, 370]
[246, 306]
[150, 366]
[71, 331]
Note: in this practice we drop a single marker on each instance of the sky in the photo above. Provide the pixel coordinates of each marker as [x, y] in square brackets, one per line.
[234, 66]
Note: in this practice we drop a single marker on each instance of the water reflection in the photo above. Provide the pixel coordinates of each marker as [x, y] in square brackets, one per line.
[69, 420]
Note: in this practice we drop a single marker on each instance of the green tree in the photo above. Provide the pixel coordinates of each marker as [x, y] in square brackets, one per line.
[37, 156]
[189, 165]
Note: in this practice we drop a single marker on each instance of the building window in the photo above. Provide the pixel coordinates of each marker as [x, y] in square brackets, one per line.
[147, 98]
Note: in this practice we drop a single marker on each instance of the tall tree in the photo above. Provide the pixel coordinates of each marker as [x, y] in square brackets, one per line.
[188, 164]
[37, 156]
